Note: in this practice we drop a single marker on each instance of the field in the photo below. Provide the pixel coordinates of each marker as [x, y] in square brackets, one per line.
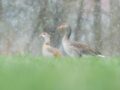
[40, 73]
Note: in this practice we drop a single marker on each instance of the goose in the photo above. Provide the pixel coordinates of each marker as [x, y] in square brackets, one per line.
[47, 49]
[74, 48]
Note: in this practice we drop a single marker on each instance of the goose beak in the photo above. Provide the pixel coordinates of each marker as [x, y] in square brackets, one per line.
[59, 27]
[62, 27]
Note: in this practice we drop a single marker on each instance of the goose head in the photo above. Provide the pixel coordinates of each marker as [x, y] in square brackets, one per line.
[65, 30]
[45, 36]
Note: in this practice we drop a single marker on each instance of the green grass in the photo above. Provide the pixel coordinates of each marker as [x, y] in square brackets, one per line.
[40, 73]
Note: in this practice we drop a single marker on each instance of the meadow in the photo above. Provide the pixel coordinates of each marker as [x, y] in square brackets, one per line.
[41, 73]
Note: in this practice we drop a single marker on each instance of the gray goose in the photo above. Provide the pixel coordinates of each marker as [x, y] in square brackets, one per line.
[74, 48]
[48, 50]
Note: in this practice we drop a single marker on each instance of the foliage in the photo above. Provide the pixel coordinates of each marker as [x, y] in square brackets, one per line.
[41, 73]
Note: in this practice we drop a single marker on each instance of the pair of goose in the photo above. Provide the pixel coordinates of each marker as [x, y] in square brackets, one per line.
[72, 48]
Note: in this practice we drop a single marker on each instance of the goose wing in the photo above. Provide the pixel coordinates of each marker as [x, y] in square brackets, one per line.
[54, 51]
[83, 48]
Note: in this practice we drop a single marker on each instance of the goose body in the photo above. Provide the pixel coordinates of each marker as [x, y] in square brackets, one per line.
[48, 50]
[73, 48]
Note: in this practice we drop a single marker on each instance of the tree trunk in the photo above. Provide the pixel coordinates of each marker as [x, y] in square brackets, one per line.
[114, 41]
[97, 24]
[1, 10]
[79, 21]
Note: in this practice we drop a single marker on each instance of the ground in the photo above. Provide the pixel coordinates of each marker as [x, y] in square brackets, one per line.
[40, 73]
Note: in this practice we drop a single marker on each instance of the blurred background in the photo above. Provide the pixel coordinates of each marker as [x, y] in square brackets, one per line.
[94, 22]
